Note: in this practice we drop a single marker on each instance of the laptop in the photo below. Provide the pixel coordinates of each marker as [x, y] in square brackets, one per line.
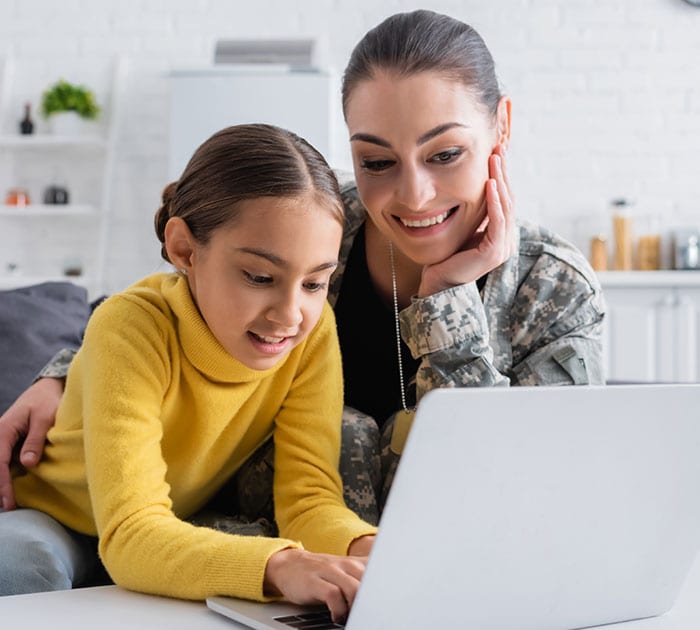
[530, 508]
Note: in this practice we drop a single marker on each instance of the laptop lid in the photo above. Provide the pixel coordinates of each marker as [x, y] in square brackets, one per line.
[538, 508]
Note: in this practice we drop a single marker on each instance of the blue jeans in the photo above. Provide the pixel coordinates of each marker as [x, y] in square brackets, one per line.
[38, 554]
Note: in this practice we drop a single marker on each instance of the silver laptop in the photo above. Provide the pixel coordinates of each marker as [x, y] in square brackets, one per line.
[531, 508]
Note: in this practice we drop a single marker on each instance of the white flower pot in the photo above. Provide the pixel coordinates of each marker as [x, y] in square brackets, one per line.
[66, 124]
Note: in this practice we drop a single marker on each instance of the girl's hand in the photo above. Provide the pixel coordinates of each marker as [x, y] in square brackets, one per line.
[303, 577]
[492, 243]
[30, 417]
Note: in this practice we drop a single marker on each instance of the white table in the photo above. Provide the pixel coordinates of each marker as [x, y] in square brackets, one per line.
[113, 608]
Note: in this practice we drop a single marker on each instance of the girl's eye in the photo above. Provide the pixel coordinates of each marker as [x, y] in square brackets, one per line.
[377, 165]
[315, 287]
[445, 157]
[255, 279]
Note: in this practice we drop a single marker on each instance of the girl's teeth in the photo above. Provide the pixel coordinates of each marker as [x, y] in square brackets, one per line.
[270, 339]
[426, 222]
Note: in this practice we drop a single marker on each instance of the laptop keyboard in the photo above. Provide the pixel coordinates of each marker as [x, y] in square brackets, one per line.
[315, 620]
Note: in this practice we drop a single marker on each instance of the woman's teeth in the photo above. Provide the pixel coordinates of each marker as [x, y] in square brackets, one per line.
[427, 222]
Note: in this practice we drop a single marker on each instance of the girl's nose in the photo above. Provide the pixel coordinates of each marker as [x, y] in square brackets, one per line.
[286, 311]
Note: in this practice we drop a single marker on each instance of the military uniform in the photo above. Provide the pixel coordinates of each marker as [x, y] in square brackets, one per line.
[537, 320]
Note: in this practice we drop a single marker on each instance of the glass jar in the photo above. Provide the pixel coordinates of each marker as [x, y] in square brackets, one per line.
[622, 234]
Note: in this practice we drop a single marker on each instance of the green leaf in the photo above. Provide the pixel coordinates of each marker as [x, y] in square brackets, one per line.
[63, 96]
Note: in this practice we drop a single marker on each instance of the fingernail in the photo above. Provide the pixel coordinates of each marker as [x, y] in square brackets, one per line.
[29, 455]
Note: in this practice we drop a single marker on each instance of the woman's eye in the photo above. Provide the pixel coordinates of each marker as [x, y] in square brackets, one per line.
[444, 157]
[377, 165]
[256, 279]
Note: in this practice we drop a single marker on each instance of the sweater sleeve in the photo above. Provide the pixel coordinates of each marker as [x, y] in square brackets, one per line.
[143, 544]
[308, 490]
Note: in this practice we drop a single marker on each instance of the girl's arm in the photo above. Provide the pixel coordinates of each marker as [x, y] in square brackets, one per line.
[309, 503]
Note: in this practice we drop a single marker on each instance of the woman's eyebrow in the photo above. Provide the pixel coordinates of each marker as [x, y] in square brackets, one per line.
[366, 137]
[428, 135]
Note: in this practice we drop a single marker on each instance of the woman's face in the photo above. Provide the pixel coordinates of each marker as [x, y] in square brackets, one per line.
[420, 147]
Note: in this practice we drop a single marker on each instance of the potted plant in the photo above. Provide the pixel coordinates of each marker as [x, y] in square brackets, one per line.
[63, 102]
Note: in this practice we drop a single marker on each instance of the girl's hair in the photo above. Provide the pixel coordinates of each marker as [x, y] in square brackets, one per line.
[240, 163]
[425, 41]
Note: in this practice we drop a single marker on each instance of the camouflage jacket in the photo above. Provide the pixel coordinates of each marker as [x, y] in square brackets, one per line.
[537, 321]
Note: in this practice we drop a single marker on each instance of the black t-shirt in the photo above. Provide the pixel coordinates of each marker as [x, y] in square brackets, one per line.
[367, 333]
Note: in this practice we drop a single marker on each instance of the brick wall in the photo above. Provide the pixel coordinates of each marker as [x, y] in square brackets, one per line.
[606, 95]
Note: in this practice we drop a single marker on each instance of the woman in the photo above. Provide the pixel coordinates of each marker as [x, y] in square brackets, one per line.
[434, 268]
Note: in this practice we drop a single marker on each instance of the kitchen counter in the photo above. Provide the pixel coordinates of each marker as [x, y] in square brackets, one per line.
[661, 278]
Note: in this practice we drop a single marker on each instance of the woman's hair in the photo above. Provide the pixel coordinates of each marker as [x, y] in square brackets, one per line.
[240, 163]
[424, 41]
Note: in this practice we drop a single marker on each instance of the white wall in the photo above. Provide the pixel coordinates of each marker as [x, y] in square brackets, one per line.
[606, 94]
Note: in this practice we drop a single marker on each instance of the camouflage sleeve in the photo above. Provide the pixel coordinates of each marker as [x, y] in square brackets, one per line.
[450, 333]
[557, 323]
[58, 365]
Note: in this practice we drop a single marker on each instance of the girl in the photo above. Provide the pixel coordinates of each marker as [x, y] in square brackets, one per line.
[433, 261]
[183, 375]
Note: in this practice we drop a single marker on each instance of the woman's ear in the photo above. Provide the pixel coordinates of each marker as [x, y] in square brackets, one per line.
[503, 120]
[179, 243]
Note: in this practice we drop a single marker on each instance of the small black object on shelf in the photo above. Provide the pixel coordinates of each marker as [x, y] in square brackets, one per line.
[56, 195]
[26, 125]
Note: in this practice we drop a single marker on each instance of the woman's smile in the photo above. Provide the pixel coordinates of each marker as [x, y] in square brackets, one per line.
[419, 223]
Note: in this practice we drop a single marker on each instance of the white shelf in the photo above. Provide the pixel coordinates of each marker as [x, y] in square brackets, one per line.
[84, 235]
[47, 141]
[46, 210]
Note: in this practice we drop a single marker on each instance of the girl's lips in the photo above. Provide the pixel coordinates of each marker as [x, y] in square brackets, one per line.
[269, 345]
[428, 221]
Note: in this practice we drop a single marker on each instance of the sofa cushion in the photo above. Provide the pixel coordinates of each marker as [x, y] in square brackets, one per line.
[36, 322]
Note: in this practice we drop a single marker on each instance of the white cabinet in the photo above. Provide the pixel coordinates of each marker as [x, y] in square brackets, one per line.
[205, 100]
[653, 325]
[39, 241]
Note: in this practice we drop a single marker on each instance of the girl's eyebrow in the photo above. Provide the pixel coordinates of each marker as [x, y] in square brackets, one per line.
[428, 135]
[280, 262]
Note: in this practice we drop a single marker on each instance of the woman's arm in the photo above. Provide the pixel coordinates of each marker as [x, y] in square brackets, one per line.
[27, 421]
[545, 317]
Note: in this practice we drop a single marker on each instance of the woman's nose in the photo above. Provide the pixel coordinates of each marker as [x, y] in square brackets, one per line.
[415, 187]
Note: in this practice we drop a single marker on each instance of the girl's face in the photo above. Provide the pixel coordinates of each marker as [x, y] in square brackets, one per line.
[420, 147]
[261, 283]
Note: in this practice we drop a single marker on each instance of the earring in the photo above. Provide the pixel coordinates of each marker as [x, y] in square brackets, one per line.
[183, 271]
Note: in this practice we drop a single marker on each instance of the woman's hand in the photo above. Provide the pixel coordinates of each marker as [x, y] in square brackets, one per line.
[303, 577]
[492, 243]
[30, 417]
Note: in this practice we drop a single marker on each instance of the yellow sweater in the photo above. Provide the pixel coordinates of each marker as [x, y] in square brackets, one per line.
[157, 416]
